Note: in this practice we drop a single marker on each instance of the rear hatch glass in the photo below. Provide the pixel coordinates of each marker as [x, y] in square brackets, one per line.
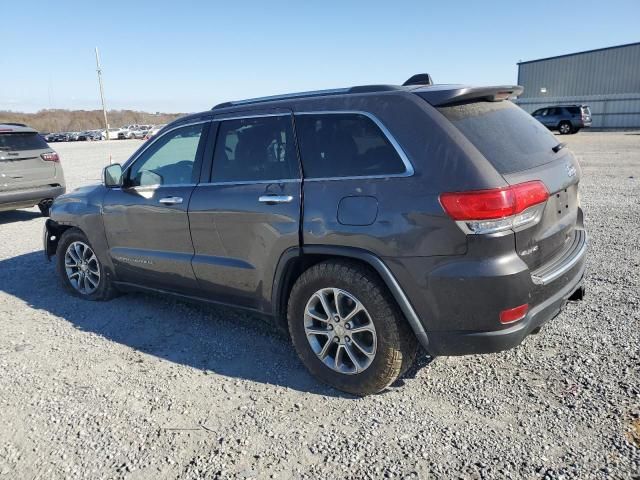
[511, 139]
[17, 142]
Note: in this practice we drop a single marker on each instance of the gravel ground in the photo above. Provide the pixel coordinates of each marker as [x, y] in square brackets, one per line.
[145, 386]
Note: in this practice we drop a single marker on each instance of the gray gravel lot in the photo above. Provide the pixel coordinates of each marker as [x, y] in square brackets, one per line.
[150, 387]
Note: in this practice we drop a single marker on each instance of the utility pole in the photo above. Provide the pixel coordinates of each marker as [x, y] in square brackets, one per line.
[104, 109]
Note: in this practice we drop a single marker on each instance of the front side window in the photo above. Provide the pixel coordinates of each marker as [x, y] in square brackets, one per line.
[170, 160]
[255, 149]
[345, 145]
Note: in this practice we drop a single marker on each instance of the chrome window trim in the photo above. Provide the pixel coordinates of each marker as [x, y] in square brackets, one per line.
[155, 186]
[250, 182]
[222, 118]
[136, 156]
[409, 170]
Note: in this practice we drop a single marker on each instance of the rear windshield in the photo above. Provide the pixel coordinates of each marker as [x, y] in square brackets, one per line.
[510, 138]
[22, 141]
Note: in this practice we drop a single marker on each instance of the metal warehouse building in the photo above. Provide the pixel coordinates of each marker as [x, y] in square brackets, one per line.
[607, 79]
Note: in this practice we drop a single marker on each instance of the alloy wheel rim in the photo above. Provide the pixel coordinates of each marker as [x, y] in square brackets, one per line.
[82, 268]
[564, 128]
[340, 331]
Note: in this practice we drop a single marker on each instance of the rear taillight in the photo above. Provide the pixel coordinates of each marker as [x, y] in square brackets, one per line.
[50, 157]
[511, 315]
[498, 209]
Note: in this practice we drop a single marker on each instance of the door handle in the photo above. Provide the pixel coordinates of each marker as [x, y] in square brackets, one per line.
[170, 200]
[273, 199]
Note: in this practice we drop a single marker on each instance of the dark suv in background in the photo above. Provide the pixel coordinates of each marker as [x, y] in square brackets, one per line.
[366, 220]
[564, 118]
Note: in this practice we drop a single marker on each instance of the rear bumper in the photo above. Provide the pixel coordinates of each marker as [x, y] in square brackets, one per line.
[474, 342]
[459, 300]
[14, 199]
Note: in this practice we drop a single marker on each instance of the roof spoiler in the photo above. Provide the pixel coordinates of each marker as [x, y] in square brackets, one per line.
[441, 95]
[419, 79]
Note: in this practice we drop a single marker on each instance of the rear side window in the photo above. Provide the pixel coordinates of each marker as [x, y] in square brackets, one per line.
[574, 110]
[345, 145]
[22, 141]
[511, 139]
[255, 149]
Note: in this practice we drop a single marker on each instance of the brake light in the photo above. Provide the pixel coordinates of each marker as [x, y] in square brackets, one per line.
[511, 315]
[488, 211]
[50, 157]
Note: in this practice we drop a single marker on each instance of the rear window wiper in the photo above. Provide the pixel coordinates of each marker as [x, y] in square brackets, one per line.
[558, 147]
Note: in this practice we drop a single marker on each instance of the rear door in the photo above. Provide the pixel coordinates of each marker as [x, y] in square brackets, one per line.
[21, 163]
[249, 213]
[146, 220]
[521, 151]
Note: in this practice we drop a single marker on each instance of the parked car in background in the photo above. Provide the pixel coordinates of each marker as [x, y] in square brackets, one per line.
[365, 220]
[564, 118]
[126, 132]
[140, 132]
[112, 133]
[153, 131]
[30, 171]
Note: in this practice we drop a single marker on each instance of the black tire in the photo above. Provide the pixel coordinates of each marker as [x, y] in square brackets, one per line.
[396, 345]
[104, 289]
[565, 128]
[45, 207]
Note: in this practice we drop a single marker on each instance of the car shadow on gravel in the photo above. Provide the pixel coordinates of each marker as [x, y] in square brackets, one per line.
[208, 338]
[13, 216]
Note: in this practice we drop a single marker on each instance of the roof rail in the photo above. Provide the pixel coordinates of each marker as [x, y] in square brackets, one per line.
[311, 94]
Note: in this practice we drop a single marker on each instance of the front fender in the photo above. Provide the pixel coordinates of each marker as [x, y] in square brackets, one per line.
[81, 209]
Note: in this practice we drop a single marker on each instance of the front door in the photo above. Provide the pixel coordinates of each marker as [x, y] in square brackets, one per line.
[146, 221]
[249, 214]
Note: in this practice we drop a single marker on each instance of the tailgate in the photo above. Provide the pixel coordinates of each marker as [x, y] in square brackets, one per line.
[23, 169]
[21, 165]
[541, 242]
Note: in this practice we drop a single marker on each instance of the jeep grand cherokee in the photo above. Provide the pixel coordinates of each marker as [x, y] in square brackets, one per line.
[367, 221]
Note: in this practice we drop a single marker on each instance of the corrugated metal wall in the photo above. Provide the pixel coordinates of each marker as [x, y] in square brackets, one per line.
[608, 80]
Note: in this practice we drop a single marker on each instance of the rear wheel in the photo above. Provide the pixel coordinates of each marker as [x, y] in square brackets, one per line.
[347, 329]
[80, 270]
[565, 128]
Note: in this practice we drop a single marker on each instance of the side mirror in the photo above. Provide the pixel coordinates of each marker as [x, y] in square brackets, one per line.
[112, 175]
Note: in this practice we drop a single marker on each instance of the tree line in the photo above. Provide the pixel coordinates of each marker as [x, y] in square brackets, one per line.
[79, 120]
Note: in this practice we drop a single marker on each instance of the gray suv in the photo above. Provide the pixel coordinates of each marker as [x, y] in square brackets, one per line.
[565, 119]
[30, 171]
[366, 221]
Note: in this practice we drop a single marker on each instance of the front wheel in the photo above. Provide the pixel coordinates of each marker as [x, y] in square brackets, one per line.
[347, 330]
[79, 268]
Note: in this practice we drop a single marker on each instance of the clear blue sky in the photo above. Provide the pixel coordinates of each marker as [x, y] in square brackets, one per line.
[182, 56]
